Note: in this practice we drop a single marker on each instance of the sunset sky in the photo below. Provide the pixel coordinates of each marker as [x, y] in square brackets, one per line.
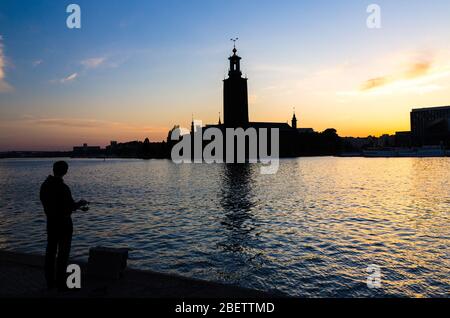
[136, 68]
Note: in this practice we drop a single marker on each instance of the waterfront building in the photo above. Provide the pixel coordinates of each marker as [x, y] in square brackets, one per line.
[430, 126]
[85, 150]
[293, 141]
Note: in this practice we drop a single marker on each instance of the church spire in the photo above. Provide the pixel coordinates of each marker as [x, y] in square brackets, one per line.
[294, 121]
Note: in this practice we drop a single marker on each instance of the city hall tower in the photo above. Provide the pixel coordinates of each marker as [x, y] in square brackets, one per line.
[235, 95]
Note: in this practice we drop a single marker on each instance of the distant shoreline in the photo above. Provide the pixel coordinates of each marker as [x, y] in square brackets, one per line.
[372, 153]
[62, 154]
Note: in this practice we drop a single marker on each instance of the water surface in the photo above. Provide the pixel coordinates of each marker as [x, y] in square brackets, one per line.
[310, 230]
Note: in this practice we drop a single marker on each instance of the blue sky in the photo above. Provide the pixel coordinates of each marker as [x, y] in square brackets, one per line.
[136, 68]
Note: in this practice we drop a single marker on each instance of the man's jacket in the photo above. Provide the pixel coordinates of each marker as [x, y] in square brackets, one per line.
[56, 198]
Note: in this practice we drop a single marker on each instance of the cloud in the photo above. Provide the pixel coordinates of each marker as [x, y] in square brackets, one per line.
[418, 69]
[69, 78]
[88, 64]
[36, 63]
[4, 86]
[375, 82]
[93, 62]
[405, 72]
[67, 122]
[90, 124]
[415, 70]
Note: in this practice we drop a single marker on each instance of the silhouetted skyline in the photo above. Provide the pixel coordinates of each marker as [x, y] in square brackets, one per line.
[134, 69]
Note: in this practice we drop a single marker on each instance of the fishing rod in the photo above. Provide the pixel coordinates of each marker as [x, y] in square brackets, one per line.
[102, 204]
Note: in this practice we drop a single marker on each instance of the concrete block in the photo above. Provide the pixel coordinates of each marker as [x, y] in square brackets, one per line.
[107, 263]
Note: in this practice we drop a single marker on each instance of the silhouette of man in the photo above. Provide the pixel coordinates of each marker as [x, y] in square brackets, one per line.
[58, 205]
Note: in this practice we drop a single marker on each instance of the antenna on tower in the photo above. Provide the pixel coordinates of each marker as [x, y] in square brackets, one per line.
[234, 42]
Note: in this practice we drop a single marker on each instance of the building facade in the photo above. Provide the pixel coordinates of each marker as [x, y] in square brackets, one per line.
[430, 126]
[293, 141]
[235, 95]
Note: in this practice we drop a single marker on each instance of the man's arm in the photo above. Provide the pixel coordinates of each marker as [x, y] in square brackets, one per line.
[71, 204]
[80, 204]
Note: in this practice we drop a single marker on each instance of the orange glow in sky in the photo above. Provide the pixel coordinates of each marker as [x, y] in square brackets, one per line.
[140, 72]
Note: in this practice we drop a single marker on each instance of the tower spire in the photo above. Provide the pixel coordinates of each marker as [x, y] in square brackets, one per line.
[235, 94]
[234, 44]
[294, 121]
[235, 61]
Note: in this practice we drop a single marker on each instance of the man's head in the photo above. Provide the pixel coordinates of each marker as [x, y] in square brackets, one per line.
[60, 168]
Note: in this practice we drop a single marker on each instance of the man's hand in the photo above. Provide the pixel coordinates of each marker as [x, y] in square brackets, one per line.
[82, 204]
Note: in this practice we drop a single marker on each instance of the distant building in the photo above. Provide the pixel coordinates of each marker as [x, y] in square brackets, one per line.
[386, 141]
[235, 108]
[137, 149]
[235, 100]
[127, 149]
[305, 130]
[235, 95]
[294, 122]
[430, 126]
[85, 151]
[403, 139]
[359, 143]
[293, 141]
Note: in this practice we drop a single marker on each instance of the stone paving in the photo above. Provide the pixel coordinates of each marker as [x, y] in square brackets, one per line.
[21, 275]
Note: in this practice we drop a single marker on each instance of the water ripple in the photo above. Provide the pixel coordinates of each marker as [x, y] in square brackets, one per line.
[310, 230]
